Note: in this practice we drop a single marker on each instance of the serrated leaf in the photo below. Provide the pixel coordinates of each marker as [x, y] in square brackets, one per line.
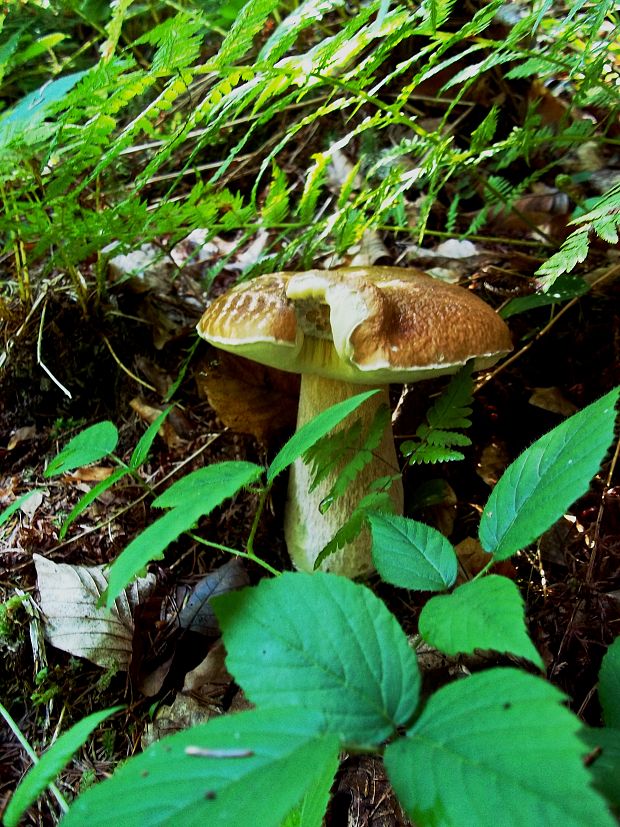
[251, 768]
[564, 288]
[312, 431]
[50, 764]
[69, 597]
[471, 756]
[90, 445]
[323, 643]
[410, 554]
[538, 487]
[192, 497]
[609, 685]
[481, 614]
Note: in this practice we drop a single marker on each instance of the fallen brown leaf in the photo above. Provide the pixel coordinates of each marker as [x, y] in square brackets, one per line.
[248, 397]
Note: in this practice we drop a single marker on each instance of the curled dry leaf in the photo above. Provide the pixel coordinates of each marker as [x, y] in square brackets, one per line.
[553, 400]
[197, 614]
[73, 620]
[210, 679]
[24, 434]
[248, 397]
[149, 414]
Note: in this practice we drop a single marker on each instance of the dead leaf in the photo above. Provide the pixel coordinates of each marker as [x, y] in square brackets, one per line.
[149, 414]
[94, 473]
[73, 621]
[21, 435]
[31, 503]
[184, 712]
[552, 399]
[473, 558]
[210, 677]
[197, 614]
[249, 398]
[493, 461]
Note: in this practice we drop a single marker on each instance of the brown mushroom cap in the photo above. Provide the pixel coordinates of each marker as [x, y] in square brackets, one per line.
[368, 325]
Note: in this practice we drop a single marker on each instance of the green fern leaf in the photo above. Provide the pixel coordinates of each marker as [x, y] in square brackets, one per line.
[436, 437]
[378, 500]
[240, 37]
[276, 205]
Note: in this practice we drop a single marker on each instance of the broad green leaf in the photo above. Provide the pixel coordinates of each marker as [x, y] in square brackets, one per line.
[90, 445]
[482, 614]
[324, 643]
[92, 495]
[312, 431]
[538, 487]
[190, 498]
[141, 451]
[251, 768]
[495, 748]
[410, 554]
[609, 685]
[15, 505]
[50, 764]
[604, 760]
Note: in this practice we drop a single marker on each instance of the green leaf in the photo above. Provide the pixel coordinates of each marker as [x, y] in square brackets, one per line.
[15, 505]
[90, 496]
[251, 768]
[538, 487]
[90, 445]
[250, 20]
[324, 643]
[481, 614]
[190, 498]
[50, 764]
[410, 554]
[312, 431]
[604, 760]
[141, 451]
[609, 685]
[564, 288]
[495, 748]
[311, 811]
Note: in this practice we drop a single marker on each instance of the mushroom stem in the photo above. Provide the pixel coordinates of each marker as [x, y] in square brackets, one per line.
[307, 531]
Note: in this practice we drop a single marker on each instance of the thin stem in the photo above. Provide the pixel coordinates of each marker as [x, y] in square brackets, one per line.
[235, 552]
[62, 802]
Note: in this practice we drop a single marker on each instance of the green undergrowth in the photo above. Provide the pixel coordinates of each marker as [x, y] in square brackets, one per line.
[328, 667]
[126, 123]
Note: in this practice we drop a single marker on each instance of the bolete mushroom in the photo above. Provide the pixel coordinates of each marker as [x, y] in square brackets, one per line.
[347, 330]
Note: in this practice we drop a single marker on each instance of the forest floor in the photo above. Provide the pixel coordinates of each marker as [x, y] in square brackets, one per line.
[570, 580]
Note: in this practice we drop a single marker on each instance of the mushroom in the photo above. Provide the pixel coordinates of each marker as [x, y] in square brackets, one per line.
[345, 331]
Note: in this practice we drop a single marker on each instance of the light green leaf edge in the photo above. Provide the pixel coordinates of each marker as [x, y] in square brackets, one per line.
[192, 497]
[90, 496]
[312, 431]
[89, 445]
[410, 554]
[50, 764]
[482, 614]
[141, 451]
[538, 487]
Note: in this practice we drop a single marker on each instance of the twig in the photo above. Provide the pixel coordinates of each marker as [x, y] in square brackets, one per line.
[40, 361]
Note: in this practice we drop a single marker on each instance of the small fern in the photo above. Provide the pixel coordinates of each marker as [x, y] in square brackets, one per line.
[603, 219]
[378, 499]
[436, 438]
[343, 446]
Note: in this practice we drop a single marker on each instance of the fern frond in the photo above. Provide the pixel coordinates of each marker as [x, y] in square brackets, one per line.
[348, 446]
[378, 500]
[603, 219]
[435, 439]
